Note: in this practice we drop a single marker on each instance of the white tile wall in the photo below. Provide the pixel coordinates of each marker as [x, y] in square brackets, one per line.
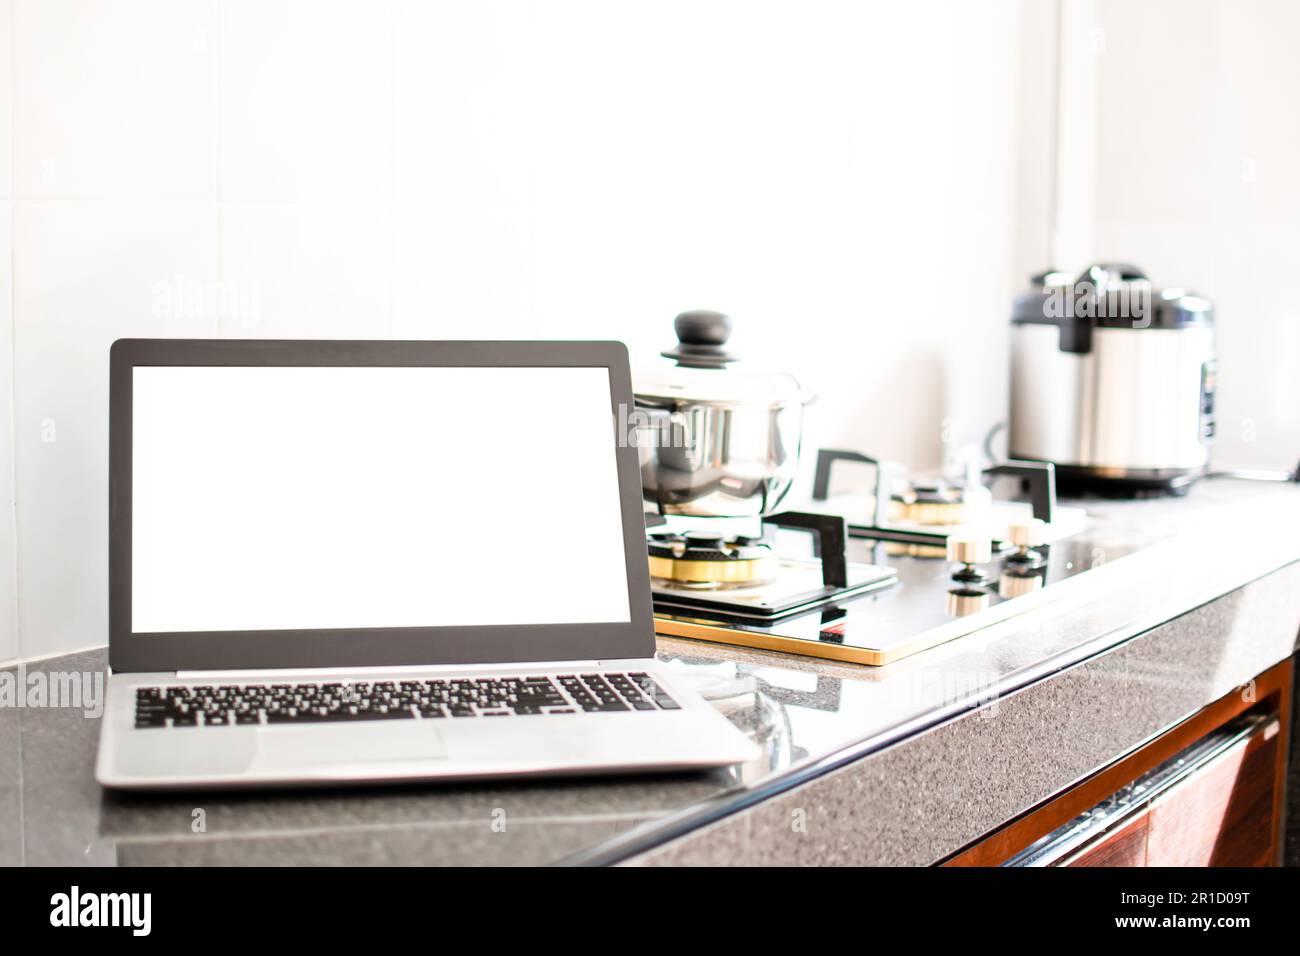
[8, 531]
[87, 273]
[314, 269]
[115, 100]
[725, 155]
[499, 168]
[6, 99]
[306, 168]
[1198, 146]
[307, 99]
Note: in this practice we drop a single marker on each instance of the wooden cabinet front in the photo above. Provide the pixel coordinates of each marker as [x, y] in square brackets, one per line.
[1208, 792]
[1224, 814]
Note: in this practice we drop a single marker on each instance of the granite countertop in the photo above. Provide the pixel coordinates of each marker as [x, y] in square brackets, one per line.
[810, 717]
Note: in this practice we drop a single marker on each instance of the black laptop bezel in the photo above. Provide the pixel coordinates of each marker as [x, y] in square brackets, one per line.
[373, 647]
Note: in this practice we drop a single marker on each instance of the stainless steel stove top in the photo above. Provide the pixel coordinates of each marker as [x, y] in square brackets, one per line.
[910, 601]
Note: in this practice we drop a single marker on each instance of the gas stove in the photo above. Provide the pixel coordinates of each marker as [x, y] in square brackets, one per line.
[865, 599]
[927, 509]
[748, 576]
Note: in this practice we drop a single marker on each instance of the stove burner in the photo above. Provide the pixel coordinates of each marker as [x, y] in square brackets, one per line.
[706, 561]
[932, 501]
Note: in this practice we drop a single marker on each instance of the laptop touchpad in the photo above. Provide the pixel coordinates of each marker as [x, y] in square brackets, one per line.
[370, 743]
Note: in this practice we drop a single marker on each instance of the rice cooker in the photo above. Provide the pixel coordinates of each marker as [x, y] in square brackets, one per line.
[1112, 380]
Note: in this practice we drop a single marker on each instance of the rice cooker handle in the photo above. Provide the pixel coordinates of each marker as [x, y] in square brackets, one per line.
[1097, 273]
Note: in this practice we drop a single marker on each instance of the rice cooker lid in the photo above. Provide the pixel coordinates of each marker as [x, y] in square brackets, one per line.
[1109, 295]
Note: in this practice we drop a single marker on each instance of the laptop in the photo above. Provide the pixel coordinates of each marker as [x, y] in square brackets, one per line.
[346, 562]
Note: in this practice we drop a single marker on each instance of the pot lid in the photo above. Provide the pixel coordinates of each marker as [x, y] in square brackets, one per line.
[699, 368]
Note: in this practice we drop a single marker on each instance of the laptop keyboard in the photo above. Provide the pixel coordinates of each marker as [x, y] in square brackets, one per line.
[223, 705]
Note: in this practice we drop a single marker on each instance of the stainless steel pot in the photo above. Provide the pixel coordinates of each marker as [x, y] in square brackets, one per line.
[716, 438]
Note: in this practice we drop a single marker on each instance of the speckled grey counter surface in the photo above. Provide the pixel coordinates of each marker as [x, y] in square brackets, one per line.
[899, 764]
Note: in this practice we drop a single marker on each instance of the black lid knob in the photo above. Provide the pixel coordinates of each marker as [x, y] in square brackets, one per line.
[702, 327]
[701, 337]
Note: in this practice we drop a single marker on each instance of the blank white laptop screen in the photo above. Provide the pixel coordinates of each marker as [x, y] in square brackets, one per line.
[306, 498]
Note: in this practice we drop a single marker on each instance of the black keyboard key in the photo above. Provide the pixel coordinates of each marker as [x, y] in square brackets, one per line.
[646, 684]
[249, 705]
